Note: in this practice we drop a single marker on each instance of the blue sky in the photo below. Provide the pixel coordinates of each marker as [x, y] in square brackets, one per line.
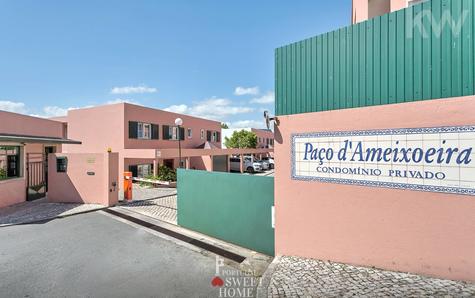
[211, 59]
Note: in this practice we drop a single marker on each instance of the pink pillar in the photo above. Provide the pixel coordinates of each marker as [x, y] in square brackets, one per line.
[187, 163]
[155, 168]
[241, 156]
[229, 163]
[211, 166]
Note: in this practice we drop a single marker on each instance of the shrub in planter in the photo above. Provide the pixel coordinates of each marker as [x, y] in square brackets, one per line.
[3, 174]
[164, 174]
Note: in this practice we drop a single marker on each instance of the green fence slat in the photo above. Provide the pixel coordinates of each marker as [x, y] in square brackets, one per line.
[369, 79]
[384, 59]
[392, 64]
[467, 47]
[412, 54]
[456, 64]
[349, 69]
[356, 61]
[336, 70]
[342, 80]
[325, 72]
[330, 99]
[319, 74]
[426, 51]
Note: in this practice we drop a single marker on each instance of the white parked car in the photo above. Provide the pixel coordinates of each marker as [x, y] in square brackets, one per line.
[249, 165]
[270, 160]
[264, 164]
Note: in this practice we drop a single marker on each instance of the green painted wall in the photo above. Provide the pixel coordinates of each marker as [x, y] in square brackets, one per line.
[232, 207]
[384, 60]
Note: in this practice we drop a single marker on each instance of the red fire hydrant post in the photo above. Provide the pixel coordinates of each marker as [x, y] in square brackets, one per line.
[128, 186]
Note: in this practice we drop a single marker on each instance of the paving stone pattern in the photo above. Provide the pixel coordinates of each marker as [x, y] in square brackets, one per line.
[299, 277]
[41, 210]
[162, 208]
[146, 193]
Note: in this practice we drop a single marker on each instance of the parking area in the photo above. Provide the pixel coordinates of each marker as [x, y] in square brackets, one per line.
[95, 255]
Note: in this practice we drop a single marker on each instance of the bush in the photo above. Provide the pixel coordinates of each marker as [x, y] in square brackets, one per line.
[164, 174]
[3, 174]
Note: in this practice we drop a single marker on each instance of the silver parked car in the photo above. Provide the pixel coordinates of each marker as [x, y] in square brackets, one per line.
[248, 166]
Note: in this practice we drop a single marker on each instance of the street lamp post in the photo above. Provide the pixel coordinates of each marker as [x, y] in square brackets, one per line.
[179, 123]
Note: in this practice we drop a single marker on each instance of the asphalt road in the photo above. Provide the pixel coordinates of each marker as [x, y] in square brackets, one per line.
[93, 255]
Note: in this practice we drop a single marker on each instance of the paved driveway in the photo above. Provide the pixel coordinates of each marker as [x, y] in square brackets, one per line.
[95, 255]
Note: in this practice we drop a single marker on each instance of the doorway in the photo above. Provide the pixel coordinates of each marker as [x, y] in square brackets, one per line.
[36, 176]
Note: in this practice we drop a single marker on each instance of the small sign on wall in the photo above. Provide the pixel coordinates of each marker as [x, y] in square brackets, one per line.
[439, 159]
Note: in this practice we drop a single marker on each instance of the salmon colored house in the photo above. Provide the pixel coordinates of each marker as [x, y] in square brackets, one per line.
[25, 143]
[265, 137]
[375, 141]
[135, 132]
[363, 10]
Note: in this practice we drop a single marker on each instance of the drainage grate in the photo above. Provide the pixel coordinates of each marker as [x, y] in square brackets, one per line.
[214, 249]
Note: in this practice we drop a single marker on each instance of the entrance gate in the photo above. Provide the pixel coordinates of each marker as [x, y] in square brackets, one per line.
[36, 176]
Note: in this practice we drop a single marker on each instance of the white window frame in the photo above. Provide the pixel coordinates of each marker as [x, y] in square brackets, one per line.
[141, 169]
[173, 133]
[144, 131]
[189, 133]
[202, 134]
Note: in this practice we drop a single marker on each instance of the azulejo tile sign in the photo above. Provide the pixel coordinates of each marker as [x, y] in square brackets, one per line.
[437, 159]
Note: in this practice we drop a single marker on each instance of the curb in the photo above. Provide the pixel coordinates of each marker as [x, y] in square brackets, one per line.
[47, 219]
[262, 289]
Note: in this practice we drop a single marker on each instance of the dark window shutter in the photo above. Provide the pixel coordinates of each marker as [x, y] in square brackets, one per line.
[134, 170]
[166, 132]
[182, 133]
[133, 127]
[208, 136]
[218, 136]
[154, 131]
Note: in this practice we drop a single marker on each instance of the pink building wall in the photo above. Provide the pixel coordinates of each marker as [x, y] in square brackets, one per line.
[12, 123]
[402, 230]
[103, 127]
[363, 10]
[148, 115]
[13, 191]
[77, 185]
[262, 135]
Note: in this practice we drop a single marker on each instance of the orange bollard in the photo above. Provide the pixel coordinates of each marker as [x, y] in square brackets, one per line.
[128, 186]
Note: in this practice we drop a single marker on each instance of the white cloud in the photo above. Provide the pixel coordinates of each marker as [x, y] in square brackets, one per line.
[15, 107]
[53, 111]
[213, 108]
[120, 100]
[244, 91]
[180, 109]
[268, 98]
[133, 90]
[248, 123]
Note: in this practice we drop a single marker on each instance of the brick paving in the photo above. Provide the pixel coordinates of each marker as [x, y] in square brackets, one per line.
[300, 277]
[41, 210]
[164, 209]
[146, 193]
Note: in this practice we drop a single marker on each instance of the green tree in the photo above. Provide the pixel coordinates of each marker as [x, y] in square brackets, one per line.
[224, 126]
[241, 139]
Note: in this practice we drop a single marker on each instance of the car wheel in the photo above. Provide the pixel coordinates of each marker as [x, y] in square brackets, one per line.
[250, 170]
[272, 166]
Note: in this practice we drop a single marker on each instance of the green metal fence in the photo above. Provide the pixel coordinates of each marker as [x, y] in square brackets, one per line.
[232, 207]
[422, 52]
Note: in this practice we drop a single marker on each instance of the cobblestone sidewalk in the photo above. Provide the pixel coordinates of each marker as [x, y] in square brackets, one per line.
[299, 277]
[161, 208]
[140, 193]
[41, 210]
